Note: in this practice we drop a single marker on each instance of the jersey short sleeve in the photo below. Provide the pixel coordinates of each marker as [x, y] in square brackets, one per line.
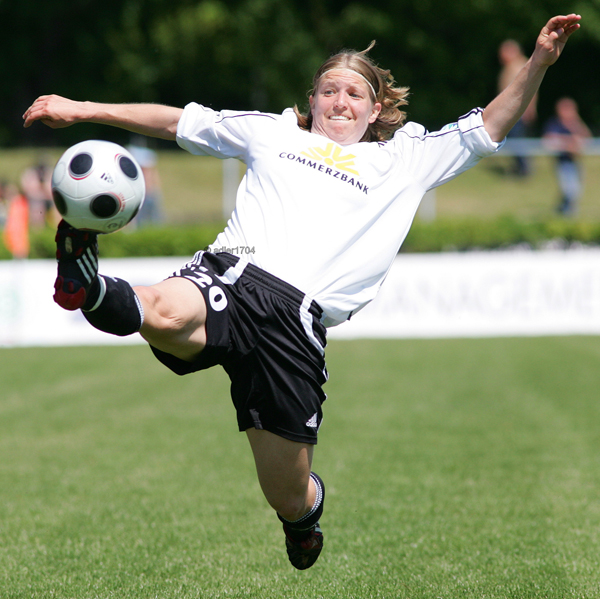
[223, 134]
[437, 157]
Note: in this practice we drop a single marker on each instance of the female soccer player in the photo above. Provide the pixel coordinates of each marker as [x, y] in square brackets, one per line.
[325, 204]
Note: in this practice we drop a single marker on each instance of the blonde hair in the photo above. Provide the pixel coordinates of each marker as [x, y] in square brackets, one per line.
[380, 82]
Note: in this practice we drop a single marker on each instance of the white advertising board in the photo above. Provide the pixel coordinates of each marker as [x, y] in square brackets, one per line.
[29, 316]
[425, 295]
[482, 294]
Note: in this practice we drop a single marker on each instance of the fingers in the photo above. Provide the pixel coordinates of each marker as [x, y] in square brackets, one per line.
[572, 26]
[554, 36]
[563, 19]
[52, 110]
[34, 112]
[564, 24]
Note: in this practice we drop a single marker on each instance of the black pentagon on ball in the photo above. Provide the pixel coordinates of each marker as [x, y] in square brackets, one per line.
[128, 167]
[81, 164]
[137, 209]
[59, 202]
[104, 206]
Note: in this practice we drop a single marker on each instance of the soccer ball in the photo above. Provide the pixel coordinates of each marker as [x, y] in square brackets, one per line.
[98, 186]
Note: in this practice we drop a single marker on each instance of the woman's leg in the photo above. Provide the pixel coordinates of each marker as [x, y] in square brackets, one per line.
[174, 317]
[170, 315]
[283, 469]
[293, 491]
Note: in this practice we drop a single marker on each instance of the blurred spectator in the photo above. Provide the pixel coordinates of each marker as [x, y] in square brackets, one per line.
[151, 212]
[566, 134]
[36, 184]
[16, 227]
[3, 204]
[512, 59]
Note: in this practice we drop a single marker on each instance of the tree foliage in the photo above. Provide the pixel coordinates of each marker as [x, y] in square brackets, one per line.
[261, 54]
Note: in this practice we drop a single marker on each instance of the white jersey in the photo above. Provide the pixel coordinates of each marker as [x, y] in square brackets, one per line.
[326, 218]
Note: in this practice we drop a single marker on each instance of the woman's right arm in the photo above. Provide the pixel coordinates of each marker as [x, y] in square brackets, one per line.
[153, 120]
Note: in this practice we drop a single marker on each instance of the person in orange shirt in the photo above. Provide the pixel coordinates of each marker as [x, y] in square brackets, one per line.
[16, 229]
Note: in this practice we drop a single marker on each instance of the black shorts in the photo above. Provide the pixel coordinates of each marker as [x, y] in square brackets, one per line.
[268, 337]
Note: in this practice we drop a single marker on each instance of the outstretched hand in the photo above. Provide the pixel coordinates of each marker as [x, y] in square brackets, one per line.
[154, 120]
[54, 111]
[554, 36]
[503, 112]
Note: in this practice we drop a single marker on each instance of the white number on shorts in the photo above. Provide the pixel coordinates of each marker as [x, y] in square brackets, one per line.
[217, 298]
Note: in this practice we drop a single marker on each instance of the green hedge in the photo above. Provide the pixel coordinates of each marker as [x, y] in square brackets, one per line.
[504, 232]
[436, 236]
[149, 241]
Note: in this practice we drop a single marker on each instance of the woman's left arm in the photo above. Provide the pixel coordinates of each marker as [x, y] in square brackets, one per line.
[502, 113]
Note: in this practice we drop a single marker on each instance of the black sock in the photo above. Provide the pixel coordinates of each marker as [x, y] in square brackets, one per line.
[93, 293]
[113, 307]
[299, 529]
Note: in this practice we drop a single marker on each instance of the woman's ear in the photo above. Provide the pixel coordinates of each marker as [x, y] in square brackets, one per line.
[376, 112]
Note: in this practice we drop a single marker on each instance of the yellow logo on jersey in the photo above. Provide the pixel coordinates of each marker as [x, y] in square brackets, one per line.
[331, 155]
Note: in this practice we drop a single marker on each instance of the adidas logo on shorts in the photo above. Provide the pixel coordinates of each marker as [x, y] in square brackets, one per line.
[312, 422]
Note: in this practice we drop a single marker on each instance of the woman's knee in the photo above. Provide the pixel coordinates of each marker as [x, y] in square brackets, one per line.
[174, 304]
[174, 317]
[157, 314]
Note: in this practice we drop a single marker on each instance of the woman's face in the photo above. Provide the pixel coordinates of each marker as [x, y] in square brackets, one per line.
[341, 107]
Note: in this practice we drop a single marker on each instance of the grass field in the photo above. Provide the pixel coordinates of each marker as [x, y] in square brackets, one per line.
[192, 187]
[454, 469]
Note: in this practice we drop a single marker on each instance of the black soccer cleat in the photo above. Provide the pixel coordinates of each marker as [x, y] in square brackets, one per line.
[77, 256]
[305, 552]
